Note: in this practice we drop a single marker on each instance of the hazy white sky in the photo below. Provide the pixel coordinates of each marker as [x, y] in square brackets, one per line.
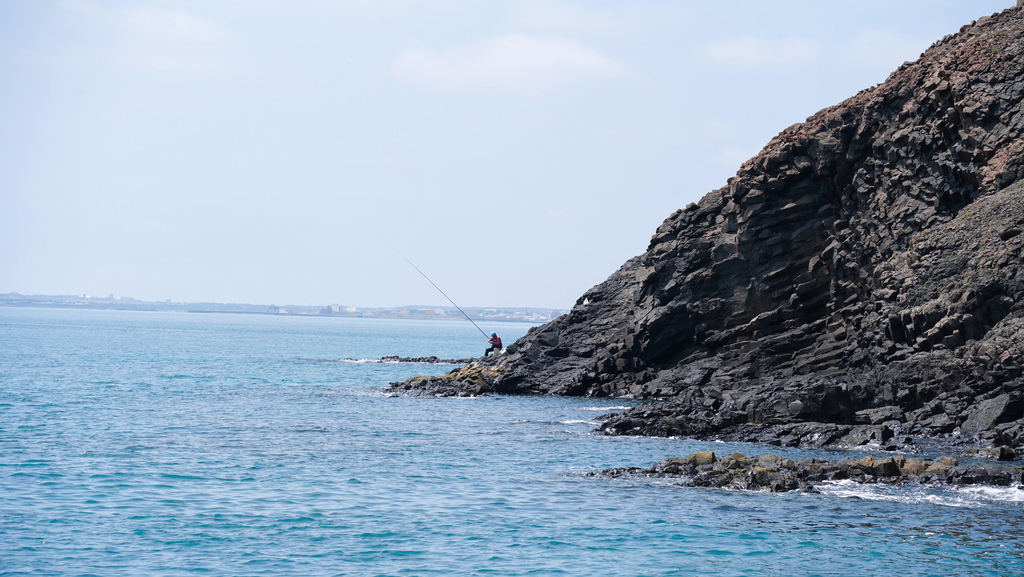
[274, 151]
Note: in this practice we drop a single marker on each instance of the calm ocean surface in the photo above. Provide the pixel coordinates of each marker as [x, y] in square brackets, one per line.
[168, 444]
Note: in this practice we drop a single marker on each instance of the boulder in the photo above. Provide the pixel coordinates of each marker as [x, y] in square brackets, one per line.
[991, 412]
[702, 458]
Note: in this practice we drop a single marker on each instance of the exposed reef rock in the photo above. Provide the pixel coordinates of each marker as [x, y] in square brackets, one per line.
[777, 474]
[431, 360]
[474, 379]
[857, 281]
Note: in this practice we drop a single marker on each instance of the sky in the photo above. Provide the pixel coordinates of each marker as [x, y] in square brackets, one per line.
[280, 151]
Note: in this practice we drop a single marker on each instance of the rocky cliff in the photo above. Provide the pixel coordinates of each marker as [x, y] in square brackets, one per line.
[860, 279]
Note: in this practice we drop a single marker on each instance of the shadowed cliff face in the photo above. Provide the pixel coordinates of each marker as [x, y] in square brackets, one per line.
[863, 269]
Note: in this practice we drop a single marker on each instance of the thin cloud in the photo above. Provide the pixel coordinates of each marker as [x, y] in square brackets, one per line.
[643, 17]
[152, 38]
[174, 26]
[172, 41]
[753, 51]
[885, 48]
[567, 17]
[517, 62]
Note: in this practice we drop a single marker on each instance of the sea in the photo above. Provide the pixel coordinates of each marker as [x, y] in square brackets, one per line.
[160, 443]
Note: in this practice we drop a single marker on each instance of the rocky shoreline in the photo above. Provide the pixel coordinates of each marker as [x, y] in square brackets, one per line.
[858, 282]
[778, 474]
[885, 428]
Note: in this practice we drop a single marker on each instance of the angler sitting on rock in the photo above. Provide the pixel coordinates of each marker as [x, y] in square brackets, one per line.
[495, 341]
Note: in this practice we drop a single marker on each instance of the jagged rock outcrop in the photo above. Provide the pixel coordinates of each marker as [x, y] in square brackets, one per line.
[857, 281]
[476, 378]
[777, 474]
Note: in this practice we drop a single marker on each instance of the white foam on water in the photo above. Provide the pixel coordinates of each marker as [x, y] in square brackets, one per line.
[947, 496]
[580, 422]
[872, 492]
[872, 447]
[995, 494]
[601, 408]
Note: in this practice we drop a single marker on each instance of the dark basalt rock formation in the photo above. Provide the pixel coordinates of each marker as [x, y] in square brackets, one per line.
[857, 281]
[777, 474]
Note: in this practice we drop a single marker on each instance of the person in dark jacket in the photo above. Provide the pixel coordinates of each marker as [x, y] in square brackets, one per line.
[495, 341]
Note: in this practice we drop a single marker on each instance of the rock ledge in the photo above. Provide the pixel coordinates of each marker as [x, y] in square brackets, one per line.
[777, 474]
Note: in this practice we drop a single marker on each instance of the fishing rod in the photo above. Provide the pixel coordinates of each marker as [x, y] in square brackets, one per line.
[442, 292]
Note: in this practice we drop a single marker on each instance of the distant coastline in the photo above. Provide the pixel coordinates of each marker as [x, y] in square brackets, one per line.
[418, 312]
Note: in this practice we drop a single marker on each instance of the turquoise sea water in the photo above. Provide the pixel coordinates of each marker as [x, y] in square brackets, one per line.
[170, 444]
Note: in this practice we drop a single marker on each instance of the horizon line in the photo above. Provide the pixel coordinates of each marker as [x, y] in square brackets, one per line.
[112, 297]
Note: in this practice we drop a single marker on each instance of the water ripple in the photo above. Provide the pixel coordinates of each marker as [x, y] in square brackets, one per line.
[171, 444]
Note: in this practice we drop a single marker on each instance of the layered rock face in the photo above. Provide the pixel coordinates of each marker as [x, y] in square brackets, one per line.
[859, 279]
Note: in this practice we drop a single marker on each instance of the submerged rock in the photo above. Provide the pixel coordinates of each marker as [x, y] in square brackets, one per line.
[858, 281]
[777, 474]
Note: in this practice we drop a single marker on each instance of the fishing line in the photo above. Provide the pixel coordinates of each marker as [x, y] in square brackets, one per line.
[441, 291]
